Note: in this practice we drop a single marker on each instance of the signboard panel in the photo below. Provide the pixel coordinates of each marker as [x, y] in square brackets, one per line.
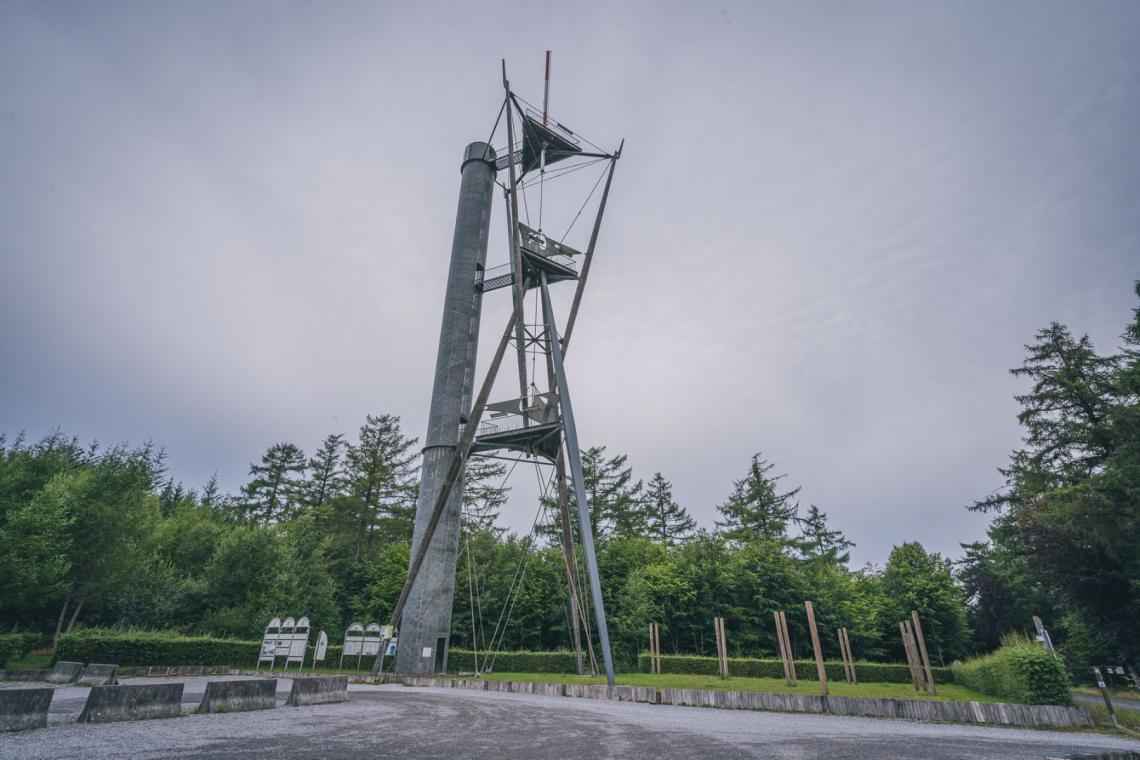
[353, 642]
[298, 642]
[371, 640]
[322, 647]
[269, 643]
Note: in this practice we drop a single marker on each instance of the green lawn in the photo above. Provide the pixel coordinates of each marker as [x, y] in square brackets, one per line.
[679, 681]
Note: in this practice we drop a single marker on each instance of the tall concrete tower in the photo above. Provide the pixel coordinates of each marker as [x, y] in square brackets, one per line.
[535, 427]
[426, 625]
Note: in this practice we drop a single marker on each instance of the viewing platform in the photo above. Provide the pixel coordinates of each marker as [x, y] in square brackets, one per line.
[539, 254]
[529, 425]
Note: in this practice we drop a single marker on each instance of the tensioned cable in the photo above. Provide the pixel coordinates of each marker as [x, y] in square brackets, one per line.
[512, 594]
[588, 197]
[564, 170]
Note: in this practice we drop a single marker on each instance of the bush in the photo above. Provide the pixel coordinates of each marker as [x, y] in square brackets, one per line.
[513, 662]
[143, 648]
[1021, 671]
[11, 647]
[749, 667]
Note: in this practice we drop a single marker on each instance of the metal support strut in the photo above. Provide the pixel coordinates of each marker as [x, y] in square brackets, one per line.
[574, 459]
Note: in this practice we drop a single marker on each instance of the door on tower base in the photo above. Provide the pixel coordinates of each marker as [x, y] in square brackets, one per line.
[440, 653]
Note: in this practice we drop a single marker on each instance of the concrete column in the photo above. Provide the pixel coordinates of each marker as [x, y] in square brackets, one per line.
[426, 622]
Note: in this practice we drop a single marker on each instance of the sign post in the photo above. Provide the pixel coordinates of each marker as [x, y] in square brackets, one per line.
[269, 644]
[321, 648]
[371, 643]
[298, 644]
[353, 641]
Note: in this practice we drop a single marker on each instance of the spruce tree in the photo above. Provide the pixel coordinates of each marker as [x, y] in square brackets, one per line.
[484, 494]
[382, 469]
[817, 542]
[326, 472]
[667, 522]
[276, 485]
[756, 509]
[616, 500]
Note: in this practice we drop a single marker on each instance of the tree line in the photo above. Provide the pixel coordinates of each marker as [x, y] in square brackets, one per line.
[106, 536]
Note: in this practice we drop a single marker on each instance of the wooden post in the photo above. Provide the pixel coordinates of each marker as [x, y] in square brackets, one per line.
[655, 636]
[922, 651]
[788, 646]
[843, 654]
[652, 656]
[911, 656]
[850, 656]
[721, 647]
[782, 649]
[819, 666]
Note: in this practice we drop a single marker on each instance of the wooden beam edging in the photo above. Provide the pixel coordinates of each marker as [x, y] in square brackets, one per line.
[928, 710]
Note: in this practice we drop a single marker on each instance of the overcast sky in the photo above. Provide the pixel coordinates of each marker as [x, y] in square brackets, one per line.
[832, 230]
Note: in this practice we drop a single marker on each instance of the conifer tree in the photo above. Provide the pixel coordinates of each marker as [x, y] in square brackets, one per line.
[382, 469]
[276, 485]
[484, 494]
[819, 543]
[756, 509]
[668, 523]
[326, 472]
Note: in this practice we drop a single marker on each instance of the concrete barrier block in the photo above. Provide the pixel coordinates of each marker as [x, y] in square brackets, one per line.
[106, 704]
[318, 691]
[239, 696]
[25, 674]
[21, 709]
[65, 672]
[99, 675]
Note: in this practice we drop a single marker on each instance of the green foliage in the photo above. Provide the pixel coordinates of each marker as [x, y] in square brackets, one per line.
[12, 645]
[142, 648]
[1021, 671]
[917, 580]
[1066, 524]
[512, 662]
[667, 522]
[756, 509]
[749, 667]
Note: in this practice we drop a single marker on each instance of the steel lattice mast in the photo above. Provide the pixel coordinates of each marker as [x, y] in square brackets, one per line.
[538, 425]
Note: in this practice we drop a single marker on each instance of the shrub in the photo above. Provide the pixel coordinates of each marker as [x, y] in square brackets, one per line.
[142, 648]
[1021, 671]
[749, 667]
[513, 662]
[11, 647]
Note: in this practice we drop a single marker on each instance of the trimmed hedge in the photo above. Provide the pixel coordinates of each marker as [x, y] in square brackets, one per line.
[1021, 671]
[750, 667]
[143, 648]
[513, 662]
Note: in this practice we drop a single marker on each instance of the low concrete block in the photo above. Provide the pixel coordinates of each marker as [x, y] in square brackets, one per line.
[65, 672]
[239, 696]
[318, 691]
[107, 704]
[22, 709]
[25, 674]
[99, 675]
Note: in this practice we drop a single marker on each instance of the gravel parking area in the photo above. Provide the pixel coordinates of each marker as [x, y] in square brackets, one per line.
[402, 722]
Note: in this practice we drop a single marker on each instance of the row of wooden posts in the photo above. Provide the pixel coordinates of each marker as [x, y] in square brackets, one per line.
[914, 644]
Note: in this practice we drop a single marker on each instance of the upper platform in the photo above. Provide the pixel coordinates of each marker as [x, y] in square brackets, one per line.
[539, 133]
[527, 425]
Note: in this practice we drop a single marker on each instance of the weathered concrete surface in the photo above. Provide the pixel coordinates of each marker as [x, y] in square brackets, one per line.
[25, 674]
[319, 690]
[65, 672]
[1029, 716]
[426, 622]
[399, 722]
[106, 704]
[96, 674]
[239, 696]
[21, 709]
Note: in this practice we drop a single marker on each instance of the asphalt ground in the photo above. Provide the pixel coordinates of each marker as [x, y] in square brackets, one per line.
[403, 722]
